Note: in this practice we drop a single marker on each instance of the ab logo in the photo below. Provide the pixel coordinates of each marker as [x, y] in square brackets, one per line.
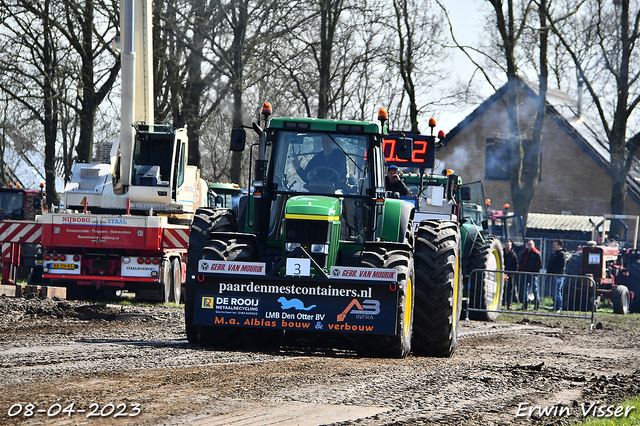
[368, 307]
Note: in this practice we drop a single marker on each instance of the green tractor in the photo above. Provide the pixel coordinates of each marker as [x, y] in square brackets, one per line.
[222, 194]
[443, 197]
[318, 254]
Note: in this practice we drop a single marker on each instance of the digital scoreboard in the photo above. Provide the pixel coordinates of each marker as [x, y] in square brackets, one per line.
[423, 152]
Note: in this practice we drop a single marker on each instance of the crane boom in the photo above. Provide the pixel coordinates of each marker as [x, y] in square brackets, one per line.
[137, 76]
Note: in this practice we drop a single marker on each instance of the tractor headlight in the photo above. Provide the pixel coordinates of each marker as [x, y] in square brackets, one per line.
[292, 246]
[320, 248]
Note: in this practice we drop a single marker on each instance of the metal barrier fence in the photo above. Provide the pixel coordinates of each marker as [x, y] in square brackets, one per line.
[570, 296]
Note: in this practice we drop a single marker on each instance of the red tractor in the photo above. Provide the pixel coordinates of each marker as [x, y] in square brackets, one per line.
[614, 265]
[506, 225]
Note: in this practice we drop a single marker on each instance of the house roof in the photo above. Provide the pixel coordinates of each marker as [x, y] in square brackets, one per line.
[582, 129]
[562, 222]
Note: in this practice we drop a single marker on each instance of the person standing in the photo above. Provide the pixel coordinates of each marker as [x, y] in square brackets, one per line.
[510, 264]
[530, 261]
[556, 265]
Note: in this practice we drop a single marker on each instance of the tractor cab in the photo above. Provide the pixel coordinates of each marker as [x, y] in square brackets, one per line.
[507, 225]
[12, 203]
[21, 204]
[318, 185]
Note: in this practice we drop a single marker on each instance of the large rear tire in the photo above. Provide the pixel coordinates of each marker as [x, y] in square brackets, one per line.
[486, 287]
[398, 345]
[438, 289]
[621, 300]
[205, 222]
[219, 337]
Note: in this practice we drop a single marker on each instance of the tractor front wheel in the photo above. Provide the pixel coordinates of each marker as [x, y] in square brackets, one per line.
[205, 222]
[398, 345]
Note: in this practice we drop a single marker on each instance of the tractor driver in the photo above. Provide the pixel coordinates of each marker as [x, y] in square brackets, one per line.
[329, 165]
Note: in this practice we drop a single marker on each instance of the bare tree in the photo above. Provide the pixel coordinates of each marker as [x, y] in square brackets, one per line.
[603, 43]
[320, 59]
[91, 37]
[29, 70]
[512, 20]
[208, 55]
[418, 54]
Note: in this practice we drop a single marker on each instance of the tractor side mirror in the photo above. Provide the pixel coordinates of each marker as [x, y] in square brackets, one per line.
[238, 139]
[465, 193]
[404, 148]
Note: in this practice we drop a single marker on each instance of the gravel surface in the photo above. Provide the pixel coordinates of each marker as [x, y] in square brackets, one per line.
[131, 364]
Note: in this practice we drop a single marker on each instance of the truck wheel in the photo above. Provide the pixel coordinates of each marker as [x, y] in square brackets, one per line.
[621, 300]
[438, 289]
[486, 288]
[165, 282]
[398, 345]
[35, 276]
[204, 222]
[176, 282]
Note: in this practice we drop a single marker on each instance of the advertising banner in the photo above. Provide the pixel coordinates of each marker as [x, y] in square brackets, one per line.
[296, 304]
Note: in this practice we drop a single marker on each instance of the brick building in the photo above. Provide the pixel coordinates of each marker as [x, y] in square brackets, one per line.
[574, 175]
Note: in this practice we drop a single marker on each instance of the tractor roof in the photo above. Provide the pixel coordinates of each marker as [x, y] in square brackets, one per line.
[325, 125]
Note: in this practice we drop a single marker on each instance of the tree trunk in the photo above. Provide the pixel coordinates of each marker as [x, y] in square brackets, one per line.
[88, 111]
[236, 82]
[50, 110]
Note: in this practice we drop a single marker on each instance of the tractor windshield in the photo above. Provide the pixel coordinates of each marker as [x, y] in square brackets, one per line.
[11, 204]
[323, 163]
[474, 209]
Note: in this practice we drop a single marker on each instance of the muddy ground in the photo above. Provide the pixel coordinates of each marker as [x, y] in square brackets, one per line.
[132, 365]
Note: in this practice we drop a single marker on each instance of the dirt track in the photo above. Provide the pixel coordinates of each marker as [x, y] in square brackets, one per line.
[54, 354]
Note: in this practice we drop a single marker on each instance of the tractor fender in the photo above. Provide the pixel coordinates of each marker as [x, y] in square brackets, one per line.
[397, 218]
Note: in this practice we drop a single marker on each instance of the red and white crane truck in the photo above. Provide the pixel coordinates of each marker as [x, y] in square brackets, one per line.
[124, 225]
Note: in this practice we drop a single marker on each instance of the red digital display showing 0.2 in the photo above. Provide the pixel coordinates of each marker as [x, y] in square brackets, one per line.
[423, 152]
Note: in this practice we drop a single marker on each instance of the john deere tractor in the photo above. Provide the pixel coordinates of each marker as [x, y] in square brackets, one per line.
[443, 197]
[319, 254]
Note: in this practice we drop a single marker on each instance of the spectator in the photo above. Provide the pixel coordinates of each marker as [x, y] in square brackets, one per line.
[393, 182]
[556, 265]
[530, 261]
[510, 264]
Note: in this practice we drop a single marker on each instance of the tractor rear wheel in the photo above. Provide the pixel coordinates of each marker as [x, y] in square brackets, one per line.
[398, 345]
[621, 300]
[438, 289]
[486, 288]
[204, 222]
